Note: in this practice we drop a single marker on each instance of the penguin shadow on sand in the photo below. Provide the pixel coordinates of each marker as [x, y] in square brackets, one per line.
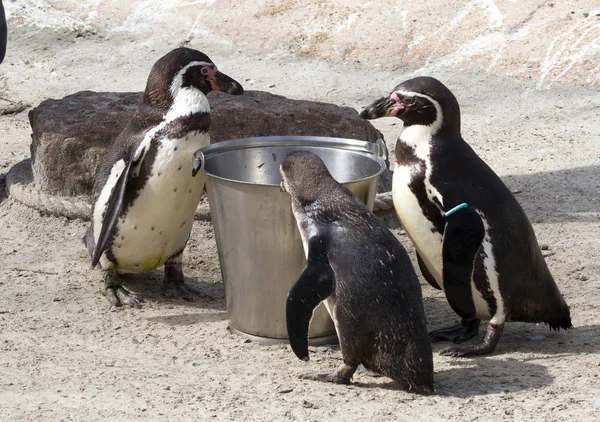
[215, 315]
[502, 372]
[569, 195]
[3, 193]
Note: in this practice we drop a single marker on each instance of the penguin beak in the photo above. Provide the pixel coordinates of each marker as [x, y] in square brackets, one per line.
[221, 82]
[383, 107]
[282, 186]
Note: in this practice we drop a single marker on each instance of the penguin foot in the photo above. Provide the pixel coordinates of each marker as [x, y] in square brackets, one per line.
[325, 377]
[457, 333]
[119, 296]
[174, 286]
[179, 290]
[342, 375]
[492, 336]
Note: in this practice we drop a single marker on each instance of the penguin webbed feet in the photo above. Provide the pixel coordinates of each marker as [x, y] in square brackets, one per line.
[180, 290]
[492, 336]
[174, 286]
[467, 329]
[342, 375]
[118, 296]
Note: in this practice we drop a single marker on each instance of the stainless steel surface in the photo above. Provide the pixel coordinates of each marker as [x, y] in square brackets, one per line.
[259, 246]
[266, 341]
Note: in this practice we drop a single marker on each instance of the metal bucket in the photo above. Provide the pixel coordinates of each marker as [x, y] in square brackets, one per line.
[259, 246]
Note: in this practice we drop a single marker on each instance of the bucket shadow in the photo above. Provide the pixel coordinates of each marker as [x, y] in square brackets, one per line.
[190, 319]
[149, 286]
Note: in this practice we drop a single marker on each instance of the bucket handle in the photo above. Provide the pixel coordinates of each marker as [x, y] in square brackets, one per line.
[198, 162]
[383, 151]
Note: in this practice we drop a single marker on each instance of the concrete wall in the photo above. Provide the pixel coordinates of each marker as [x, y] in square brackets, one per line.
[548, 41]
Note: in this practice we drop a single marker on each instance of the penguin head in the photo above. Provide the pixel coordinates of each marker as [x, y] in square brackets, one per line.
[421, 101]
[185, 68]
[305, 177]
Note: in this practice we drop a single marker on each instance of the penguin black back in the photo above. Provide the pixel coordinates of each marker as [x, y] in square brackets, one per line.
[486, 256]
[364, 275]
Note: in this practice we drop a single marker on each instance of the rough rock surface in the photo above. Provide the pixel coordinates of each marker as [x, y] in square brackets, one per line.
[259, 113]
[545, 41]
[70, 135]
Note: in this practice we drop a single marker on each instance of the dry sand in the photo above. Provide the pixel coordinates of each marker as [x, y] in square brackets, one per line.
[65, 356]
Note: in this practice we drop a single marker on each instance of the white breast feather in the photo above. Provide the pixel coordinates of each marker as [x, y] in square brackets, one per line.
[159, 222]
[307, 229]
[489, 264]
[160, 219]
[419, 228]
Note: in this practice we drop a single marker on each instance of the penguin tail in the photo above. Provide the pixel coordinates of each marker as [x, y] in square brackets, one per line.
[423, 389]
[414, 374]
[561, 319]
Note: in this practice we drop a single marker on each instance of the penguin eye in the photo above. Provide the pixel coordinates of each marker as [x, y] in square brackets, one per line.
[409, 101]
[204, 70]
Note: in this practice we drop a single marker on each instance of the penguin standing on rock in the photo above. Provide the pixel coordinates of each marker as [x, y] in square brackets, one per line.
[472, 238]
[145, 195]
[364, 275]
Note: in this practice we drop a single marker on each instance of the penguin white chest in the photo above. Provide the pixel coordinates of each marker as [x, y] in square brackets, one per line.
[158, 223]
[421, 231]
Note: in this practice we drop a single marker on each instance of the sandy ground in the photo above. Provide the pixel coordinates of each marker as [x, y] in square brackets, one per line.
[65, 356]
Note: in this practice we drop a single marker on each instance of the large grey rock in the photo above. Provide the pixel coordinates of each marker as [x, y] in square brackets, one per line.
[70, 135]
[258, 113]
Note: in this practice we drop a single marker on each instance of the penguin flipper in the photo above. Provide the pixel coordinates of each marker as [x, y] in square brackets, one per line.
[114, 204]
[314, 285]
[462, 239]
[426, 273]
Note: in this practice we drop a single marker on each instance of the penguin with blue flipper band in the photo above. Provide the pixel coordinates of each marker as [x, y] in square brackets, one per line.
[484, 254]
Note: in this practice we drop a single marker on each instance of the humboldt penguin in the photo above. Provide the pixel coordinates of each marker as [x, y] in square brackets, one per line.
[473, 239]
[144, 193]
[364, 275]
[3, 32]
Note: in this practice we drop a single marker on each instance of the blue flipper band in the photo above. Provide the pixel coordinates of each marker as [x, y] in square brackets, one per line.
[456, 208]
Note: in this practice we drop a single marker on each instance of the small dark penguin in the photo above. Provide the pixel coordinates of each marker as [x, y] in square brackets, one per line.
[364, 275]
[473, 239]
[145, 194]
[3, 32]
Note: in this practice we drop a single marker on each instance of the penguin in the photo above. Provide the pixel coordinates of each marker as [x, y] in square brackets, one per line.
[3, 32]
[473, 239]
[364, 275]
[144, 192]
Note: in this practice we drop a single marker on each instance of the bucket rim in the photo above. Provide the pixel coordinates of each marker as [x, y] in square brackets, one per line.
[377, 150]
